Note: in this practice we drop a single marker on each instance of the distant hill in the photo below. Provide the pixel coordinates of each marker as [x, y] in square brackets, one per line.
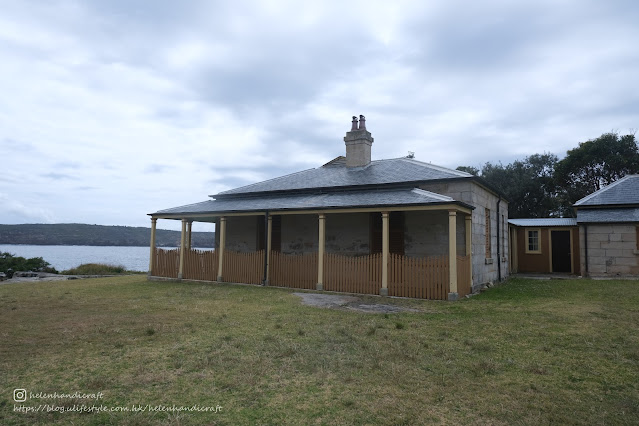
[77, 234]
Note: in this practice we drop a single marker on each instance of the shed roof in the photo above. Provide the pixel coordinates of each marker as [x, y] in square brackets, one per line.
[335, 175]
[319, 200]
[608, 215]
[564, 221]
[623, 191]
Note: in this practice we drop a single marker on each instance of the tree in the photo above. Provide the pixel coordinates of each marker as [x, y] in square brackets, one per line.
[469, 169]
[528, 185]
[594, 164]
[10, 263]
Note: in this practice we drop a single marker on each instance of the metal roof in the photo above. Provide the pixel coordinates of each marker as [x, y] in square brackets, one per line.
[335, 175]
[564, 221]
[330, 200]
[623, 191]
[608, 215]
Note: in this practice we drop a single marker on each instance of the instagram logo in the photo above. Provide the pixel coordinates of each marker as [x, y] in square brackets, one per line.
[19, 395]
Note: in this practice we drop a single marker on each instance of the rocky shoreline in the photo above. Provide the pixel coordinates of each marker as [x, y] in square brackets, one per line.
[21, 276]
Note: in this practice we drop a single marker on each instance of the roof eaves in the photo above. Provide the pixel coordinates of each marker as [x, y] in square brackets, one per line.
[364, 206]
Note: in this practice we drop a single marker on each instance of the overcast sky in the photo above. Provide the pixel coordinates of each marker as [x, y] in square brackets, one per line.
[110, 110]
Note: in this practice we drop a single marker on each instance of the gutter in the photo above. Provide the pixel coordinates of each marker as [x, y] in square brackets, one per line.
[498, 244]
[264, 281]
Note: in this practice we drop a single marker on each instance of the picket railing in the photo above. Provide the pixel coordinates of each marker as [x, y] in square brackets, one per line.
[295, 271]
[361, 274]
[200, 265]
[166, 263]
[423, 278]
[463, 275]
[247, 268]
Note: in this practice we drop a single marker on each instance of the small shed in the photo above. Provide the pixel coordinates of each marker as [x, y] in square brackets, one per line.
[609, 223]
[544, 246]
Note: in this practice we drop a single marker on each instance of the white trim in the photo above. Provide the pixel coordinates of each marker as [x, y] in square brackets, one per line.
[527, 240]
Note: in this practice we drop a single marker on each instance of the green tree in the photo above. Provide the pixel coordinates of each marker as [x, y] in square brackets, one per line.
[528, 185]
[10, 263]
[469, 169]
[595, 164]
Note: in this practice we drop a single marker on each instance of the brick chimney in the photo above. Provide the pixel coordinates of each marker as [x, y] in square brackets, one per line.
[358, 144]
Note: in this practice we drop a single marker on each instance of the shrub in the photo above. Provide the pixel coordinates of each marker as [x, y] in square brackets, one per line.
[95, 269]
[9, 263]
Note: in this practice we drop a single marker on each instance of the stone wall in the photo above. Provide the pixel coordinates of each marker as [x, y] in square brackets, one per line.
[426, 233]
[484, 266]
[241, 233]
[612, 250]
[300, 233]
[348, 233]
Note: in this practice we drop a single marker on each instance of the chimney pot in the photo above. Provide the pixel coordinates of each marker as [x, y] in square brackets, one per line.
[358, 144]
[354, 126]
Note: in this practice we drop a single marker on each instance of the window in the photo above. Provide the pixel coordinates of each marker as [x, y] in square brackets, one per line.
[533, 241]
[489, 247]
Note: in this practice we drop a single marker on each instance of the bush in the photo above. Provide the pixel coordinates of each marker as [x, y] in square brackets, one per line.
[9, 263]
[95, 269]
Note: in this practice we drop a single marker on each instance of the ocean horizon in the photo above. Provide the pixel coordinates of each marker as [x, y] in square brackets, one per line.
[133, 258]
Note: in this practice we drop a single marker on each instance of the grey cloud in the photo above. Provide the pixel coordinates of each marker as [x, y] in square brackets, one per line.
[157, 168]
[11, 144]
[58, 176]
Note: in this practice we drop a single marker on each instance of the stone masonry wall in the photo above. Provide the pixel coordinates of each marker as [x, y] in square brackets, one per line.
[426, 234]
[612, 250]
[348, 234]
[300, 233]
[484, 267]
[241, 233]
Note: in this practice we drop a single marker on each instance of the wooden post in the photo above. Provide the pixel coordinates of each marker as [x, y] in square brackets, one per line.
[469, 247]
[269, 230]
[189, 228]
[221, 248]
[385, 238]
[182, 249]
[154, 221]
[452, 255]
[321, 243]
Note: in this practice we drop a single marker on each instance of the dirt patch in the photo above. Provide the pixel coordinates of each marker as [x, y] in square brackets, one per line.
[352, 303]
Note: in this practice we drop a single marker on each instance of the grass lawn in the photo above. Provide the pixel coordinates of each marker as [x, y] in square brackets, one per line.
[526, 352]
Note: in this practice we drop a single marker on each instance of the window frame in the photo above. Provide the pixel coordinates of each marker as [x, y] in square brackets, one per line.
[488, 236]
[527, 234]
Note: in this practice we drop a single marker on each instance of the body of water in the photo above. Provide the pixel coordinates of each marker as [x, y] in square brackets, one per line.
[67, 257]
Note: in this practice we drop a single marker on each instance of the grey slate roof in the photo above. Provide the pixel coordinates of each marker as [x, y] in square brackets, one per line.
[335, 175]
[341, 199]
[565, 221]
[623, 191]
[608, 215]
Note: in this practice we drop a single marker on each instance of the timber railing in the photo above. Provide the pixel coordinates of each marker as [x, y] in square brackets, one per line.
[361, 274]
[424, 278]
[247, 268]
[166, 263]
[463, 275]
[200, 265]
[295, 271]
